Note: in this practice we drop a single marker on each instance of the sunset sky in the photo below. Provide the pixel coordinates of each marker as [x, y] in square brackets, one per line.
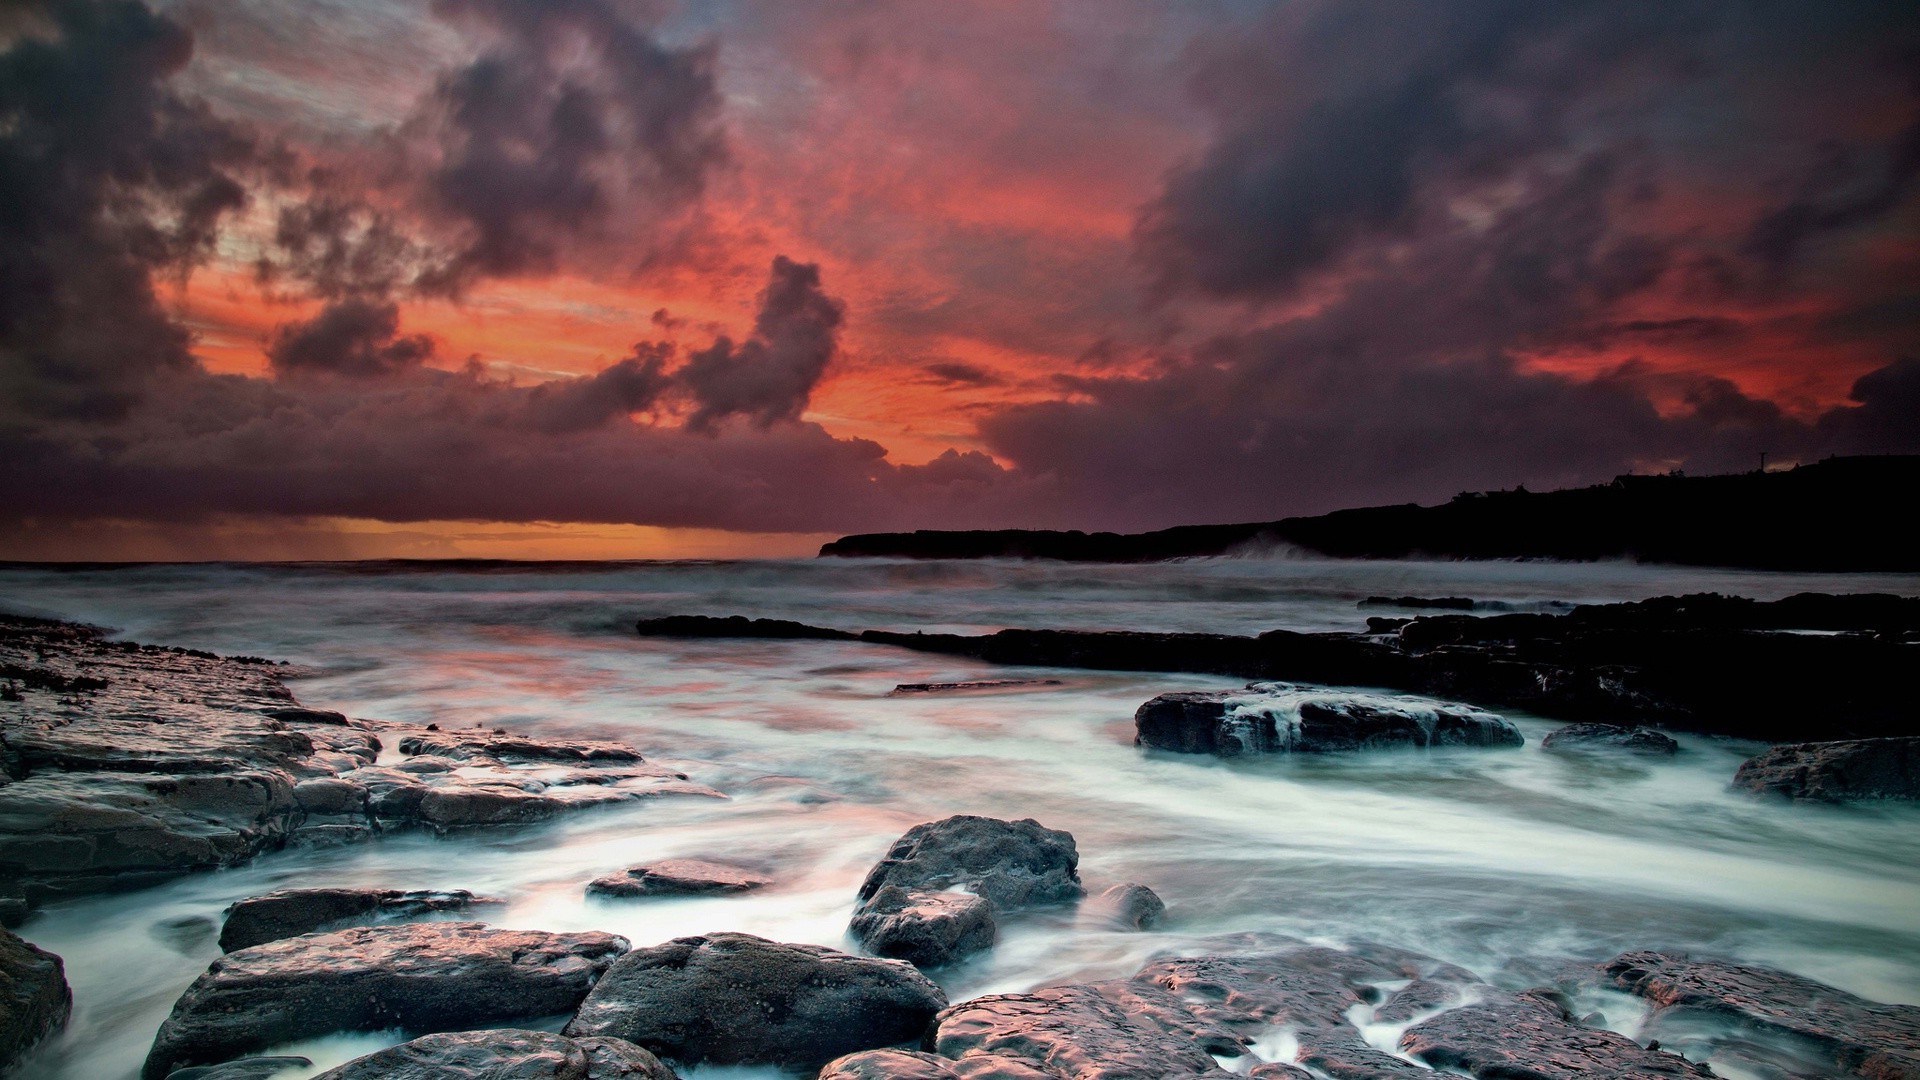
[635, 278]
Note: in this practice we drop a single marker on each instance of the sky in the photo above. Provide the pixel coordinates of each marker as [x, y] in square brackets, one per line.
[667, 278]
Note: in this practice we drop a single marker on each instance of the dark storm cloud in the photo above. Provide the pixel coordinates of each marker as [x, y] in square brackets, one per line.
[578, 113]
[353, 337]
[1348, 121]
[1459, 188]
[770, 376]
[955, 373]
[106, 178]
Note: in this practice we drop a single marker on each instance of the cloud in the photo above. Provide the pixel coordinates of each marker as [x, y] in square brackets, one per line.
[955, 373]
[770, 376]
[106, 179]
[577, 120]
[349, 337]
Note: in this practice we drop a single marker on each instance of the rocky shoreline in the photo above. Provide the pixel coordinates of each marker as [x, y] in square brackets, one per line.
[128, 764]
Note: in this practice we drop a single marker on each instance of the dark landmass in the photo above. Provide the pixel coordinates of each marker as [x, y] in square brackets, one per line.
[1842, 514]
[1811, 666]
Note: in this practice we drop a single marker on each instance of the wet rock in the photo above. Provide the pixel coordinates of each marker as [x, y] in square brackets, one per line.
[292, 912]
[926, 929]
[1070, 1032]
[1638, 740]
[1127, 907]
[183, 934]
[1013, 864]
[428, 977]
[678, 877]
[34, 998]
[1275, 718]
[889, 1065]
[1836, 771]
[1789, 1019]
[251, 1068]
[1533, 1035]
[908, 906]
[739, 999]
[462, 746]
[505, 1054]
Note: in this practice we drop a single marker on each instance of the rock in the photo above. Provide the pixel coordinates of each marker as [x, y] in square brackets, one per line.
[250, 1068]
[1836, 771]
[889, 1065]
[910, 907]
[1638, 740]
[677, 877]
[1126, 907]
[1276, 718]
[292, 912]
[1797, 1018]
[739, 999]
[1071, 1032]
[463, 746]
[426, 977]
[124, 764]
[1533, 1035]
[505, 1054]
[34, 998]
[1013, 864]
[926, 929]
[970, 686]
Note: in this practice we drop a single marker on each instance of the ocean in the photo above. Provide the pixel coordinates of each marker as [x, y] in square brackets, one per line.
[1482, 858]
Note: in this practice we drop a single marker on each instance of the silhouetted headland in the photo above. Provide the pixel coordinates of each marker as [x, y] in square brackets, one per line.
[1841, 514]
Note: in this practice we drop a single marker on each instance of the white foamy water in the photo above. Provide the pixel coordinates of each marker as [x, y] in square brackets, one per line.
[1473, 856]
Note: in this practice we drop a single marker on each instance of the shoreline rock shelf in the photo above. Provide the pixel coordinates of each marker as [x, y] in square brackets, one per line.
[1685, 663]
[122, 765]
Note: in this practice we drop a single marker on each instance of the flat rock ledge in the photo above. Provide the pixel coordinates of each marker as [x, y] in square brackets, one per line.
[1780, 1022]
[505, 1054]
[1836, 771]
[935, 898]
[736, 999]
[35, 1000]
[292, 912]
[124, 764]
[1280, 718]
[428, 977]
[1585, 737]
[678, 877]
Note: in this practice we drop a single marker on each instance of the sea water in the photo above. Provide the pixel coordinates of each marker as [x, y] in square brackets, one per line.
[1478, 857]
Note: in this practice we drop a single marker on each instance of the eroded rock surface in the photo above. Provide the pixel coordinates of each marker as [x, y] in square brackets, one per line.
[427, 977]
[125, 764]
[740, 999]
[1795, 1024]
[926, 929]
[678, 877]
[292, 912]
[1836, 771]
[1277, 718]
[1638, 740]
[505, 1054]
[907, 906]
[35, 1000]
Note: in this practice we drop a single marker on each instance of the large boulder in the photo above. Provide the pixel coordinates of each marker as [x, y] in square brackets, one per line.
[34, 998]
[1805, 1027]
[926, 929]
[740, 999]
[907, 907]
[292, 912]
[1836, 771]
[505, 1054]
[427, 977]
[1277, 718]
[1637, 740]
[678, 877]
